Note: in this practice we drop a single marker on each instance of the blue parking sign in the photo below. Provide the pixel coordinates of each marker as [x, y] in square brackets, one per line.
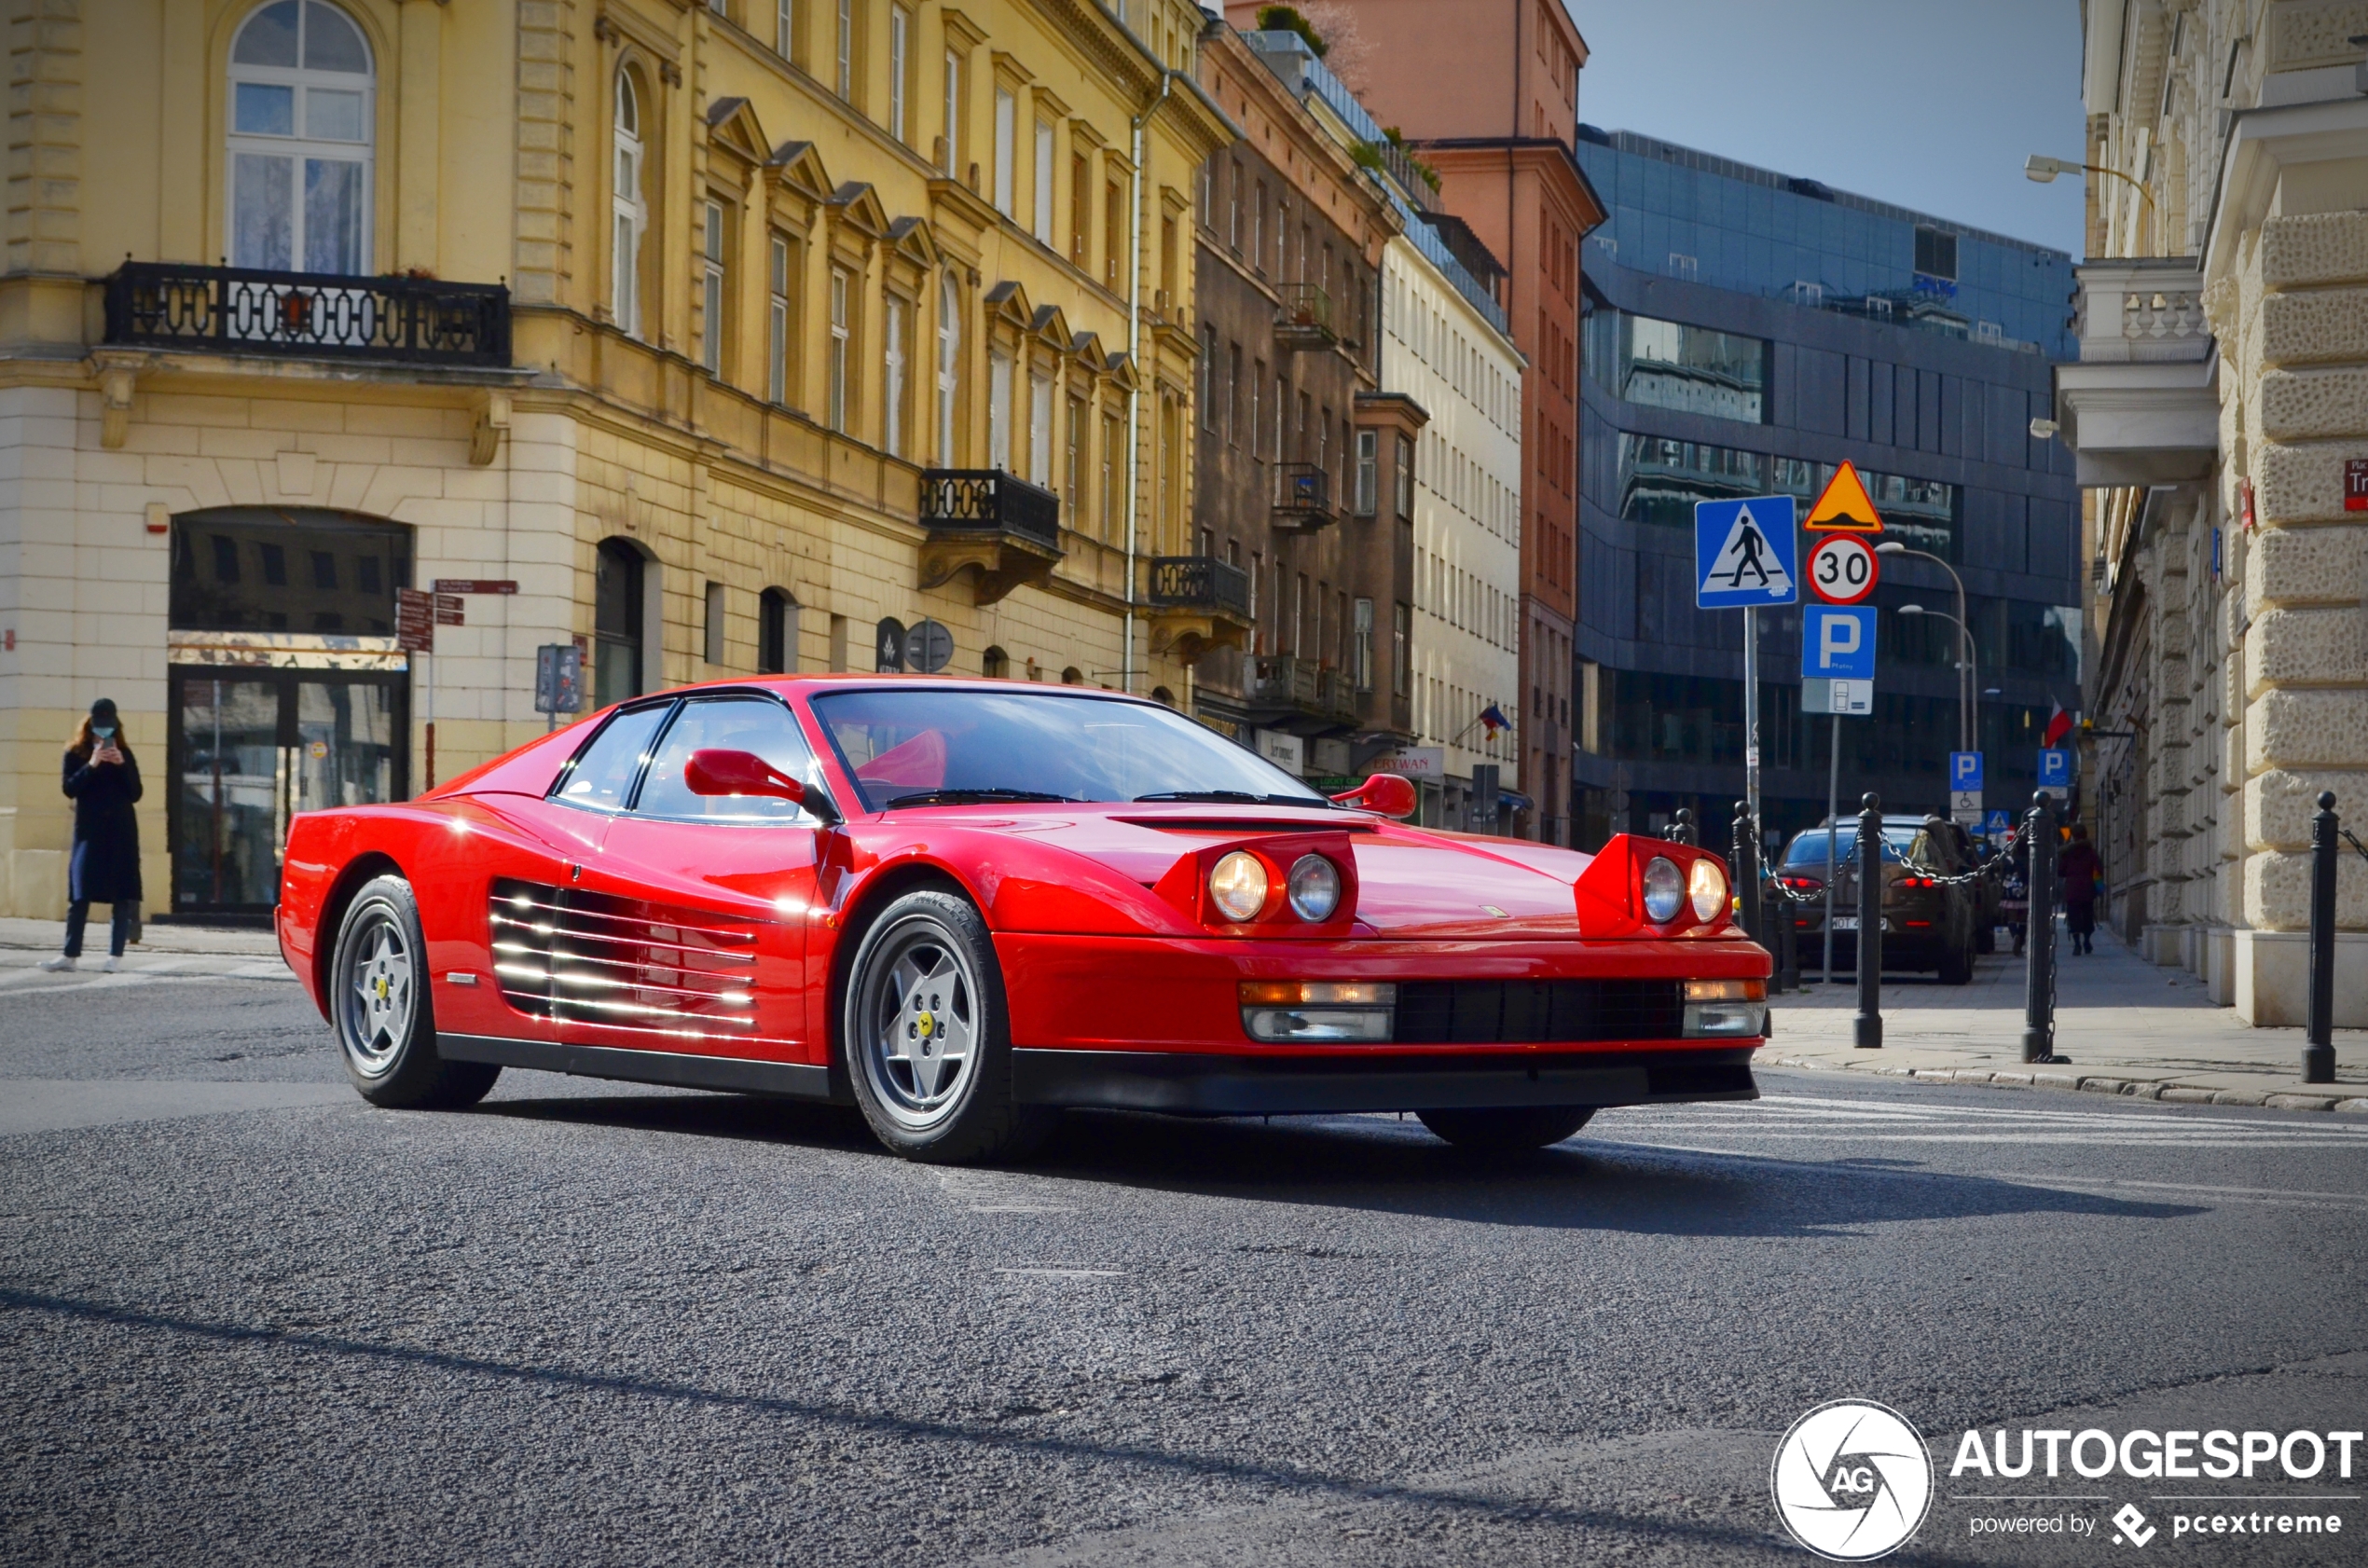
[1964, 771]
[1838, 642]
[1746, 553]
[2054, 768]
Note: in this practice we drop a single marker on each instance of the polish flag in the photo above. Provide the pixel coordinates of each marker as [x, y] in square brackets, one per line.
[2059, 726]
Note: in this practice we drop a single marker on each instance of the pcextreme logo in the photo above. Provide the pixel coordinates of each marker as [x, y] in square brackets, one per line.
[1852, 1481]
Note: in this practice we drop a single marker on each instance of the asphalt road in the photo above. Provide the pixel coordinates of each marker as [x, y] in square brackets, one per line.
[244, 1317]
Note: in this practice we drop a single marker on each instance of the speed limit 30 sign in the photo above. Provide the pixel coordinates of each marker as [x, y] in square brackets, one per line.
[1842, 569]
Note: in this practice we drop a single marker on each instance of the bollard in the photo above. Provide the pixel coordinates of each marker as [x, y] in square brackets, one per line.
[1744, 866]
[1684, 831]
[2319, 1037]
[1868, 1025]
[2039, 942]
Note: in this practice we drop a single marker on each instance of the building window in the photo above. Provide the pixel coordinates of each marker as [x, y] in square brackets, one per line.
[952, 142]
[617, 622]
[777, 633]
[1113, 233]
[1080, 212]
[1073, 461]
[949, 347]
[1670, 364]
[778, 325]
[1007, 111]
[1405, 478]
[1935, 253]
[714, 627]
[711, 291]
[999, 410]
[845, 78]
[996, 664]
[1367, 494]
[1401, 639]
[1044, 183]
[785, 29]
[1113, 469]
[299, 152]
[900, 36]
[1361, 645]
[1040, 430]
[628, 210]
[895, 330]
[841, 333]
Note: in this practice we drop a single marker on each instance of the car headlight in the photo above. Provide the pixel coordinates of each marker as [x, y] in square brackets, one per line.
[1707, 889]
[1315, 888]
[1237, 885]
[1664, 889]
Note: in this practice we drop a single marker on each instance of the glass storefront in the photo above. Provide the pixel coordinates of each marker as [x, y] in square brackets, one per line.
[1673, 364]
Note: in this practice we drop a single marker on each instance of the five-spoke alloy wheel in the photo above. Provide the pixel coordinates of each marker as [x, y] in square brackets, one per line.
[378, 996]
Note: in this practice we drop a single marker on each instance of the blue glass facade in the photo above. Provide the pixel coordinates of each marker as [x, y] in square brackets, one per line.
[1746, 334]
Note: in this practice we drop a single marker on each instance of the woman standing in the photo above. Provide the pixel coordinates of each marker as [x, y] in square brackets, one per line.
[103, 780]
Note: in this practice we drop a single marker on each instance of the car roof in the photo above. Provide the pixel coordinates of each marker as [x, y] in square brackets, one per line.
[815, 683]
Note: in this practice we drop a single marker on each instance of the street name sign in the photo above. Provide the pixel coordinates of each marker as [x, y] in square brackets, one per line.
[1746, 553]
[414, 621]
[1844, 506]
[475, 586]
[1842, 569]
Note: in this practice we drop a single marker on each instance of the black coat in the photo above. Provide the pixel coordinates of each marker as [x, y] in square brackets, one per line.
[105, 868]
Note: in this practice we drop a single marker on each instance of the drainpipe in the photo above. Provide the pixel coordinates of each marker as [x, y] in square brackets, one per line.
[1134, 361]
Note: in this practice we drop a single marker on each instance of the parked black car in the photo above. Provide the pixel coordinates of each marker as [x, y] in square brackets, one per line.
[1928, 924]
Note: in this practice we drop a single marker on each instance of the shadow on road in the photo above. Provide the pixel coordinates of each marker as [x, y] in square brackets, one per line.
[1391, 1167]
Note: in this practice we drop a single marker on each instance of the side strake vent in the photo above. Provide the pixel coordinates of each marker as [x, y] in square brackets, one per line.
[1537, 1012]
[565, 954]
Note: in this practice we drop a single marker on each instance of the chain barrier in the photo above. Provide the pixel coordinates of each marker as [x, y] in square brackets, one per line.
[1996, 865]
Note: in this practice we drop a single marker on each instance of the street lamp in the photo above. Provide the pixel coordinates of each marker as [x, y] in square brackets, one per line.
[2044, 170]
[1964, 698]
[1964, 666]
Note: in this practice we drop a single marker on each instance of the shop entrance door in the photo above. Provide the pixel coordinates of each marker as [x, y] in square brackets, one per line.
[250, 749]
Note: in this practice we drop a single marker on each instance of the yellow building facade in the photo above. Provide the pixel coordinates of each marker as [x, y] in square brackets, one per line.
[704, 338]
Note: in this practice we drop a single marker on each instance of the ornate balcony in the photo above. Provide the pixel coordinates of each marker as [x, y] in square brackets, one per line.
[1304, 318]
[983, 518]
[307, 315]
[1198, 603]
[1304, 498]
[2143, 404]
[1286, 693]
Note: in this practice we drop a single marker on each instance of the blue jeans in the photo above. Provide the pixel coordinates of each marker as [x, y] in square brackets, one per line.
[78, 912]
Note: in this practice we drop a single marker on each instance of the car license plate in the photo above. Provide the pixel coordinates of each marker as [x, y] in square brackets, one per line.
[1845, 922]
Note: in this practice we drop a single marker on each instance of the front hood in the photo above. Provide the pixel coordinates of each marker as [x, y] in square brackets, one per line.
[1411, 882]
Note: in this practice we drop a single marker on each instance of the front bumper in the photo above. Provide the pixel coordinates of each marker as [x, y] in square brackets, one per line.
[1232, 1084]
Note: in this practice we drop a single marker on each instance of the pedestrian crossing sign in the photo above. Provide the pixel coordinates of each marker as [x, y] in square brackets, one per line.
[1746, 553]
[1845, 506]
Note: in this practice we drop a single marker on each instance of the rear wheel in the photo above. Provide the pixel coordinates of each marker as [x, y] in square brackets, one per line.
[929, 1041]
[1956, 964]
[1508, 1131]
[379, 1003]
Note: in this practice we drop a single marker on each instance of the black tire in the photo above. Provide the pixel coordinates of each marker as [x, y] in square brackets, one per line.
[926, 1039]
[1986, 938]
[1956, 964]
[1509, 1131]
[384, 1017]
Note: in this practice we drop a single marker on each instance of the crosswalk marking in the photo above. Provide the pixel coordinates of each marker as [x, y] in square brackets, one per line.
[1793, 1119]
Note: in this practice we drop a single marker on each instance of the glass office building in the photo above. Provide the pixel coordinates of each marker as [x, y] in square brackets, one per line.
[1746, 332]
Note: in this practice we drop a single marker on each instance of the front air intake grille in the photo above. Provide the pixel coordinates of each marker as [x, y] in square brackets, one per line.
[565, 954]
[1537, 1012]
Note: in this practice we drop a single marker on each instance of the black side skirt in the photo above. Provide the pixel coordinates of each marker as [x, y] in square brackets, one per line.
[1212, 1085]
[733, 1074]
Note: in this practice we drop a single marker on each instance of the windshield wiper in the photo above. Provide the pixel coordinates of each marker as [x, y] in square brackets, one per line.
[971, 797]
[1240, 796]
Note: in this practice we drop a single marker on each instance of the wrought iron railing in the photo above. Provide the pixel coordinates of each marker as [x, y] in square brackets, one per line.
[1200, 583]
[249, 310]
[988, 498]
[1305, 315]
[1304, 489]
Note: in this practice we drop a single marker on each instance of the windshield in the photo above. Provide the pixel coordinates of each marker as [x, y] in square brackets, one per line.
[1808, 849]
[950, 746]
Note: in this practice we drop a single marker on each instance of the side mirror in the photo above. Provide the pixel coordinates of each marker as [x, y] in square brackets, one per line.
[1385, 794]
[718, 772]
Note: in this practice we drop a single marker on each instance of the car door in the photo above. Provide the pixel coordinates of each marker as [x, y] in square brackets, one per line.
[689, 929]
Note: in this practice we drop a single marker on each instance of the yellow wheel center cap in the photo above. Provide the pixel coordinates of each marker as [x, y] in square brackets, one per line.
[929, 1024]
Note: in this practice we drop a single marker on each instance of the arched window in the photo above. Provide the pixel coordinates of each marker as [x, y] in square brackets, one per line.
[301, 119]
[996, 664]
[777, 633]
[1072, 676]
[616, 624]
[949, 352]
[1160, 694]
[630, 212]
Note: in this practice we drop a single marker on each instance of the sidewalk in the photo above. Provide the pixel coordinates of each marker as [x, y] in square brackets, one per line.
[165, 951]
[2129, 1027]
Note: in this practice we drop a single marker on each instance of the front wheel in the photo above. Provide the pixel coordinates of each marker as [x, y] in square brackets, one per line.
[380, 1006]
[927, 1038]
[1510, 1131]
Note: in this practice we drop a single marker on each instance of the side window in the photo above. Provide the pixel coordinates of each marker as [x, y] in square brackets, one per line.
[738, 723]
[601, 776]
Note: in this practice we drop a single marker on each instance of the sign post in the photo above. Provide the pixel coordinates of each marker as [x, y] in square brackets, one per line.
[1746, 555]
[1837, 671]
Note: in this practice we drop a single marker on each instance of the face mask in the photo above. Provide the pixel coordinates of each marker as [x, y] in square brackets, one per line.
[102, 732]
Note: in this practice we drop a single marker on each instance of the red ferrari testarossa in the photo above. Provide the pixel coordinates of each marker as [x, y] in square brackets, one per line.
[965, 905]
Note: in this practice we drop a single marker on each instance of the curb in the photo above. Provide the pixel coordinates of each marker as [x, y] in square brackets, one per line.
[2348, 1102]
